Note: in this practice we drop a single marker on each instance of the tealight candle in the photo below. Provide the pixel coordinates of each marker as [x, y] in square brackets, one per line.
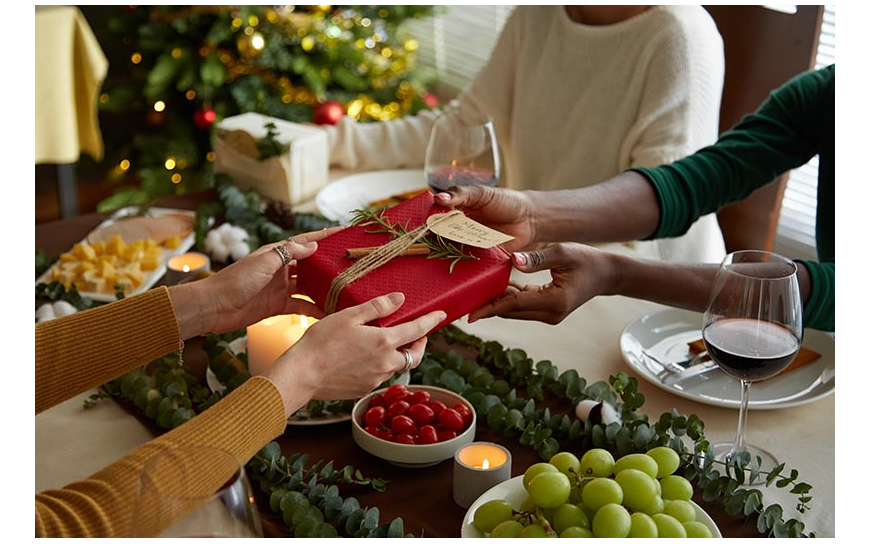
[271, 337]
[183, 266]
[478, 467]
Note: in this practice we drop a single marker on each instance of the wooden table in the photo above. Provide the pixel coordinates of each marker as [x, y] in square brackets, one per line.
[587, 341]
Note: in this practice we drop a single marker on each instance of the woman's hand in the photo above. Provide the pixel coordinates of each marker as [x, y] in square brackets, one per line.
[578, 273]
[505, 210]
[341, 357]
[254, 288]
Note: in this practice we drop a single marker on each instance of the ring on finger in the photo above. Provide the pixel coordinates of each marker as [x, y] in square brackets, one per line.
[285, 255]
[409, 360]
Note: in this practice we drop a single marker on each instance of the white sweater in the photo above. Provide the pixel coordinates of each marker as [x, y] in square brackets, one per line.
[574, 105]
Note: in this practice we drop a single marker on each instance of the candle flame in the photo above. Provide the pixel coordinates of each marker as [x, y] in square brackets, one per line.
[303, 321]
[185, 268]
[485, 463]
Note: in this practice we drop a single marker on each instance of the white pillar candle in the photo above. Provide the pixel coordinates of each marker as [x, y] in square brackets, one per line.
[186, 265]
[271, 337]
[478, 467]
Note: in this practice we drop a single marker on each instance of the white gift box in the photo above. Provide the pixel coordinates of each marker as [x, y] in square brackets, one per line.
[293, 177]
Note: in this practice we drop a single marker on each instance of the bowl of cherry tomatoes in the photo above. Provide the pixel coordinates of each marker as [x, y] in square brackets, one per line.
[413, 426]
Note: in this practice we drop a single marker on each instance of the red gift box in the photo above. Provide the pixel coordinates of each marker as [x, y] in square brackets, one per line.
[428, 284]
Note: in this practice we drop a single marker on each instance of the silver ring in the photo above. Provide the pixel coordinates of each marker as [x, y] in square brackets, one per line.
[409, 360]
[285, 255]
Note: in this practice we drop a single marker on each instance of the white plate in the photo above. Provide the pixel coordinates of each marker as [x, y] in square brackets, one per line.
[338, 199]
[513, 492]
[665, 335]
[241, 344]
[150, 278]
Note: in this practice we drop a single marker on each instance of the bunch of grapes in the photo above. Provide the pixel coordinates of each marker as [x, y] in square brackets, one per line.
[596, 496]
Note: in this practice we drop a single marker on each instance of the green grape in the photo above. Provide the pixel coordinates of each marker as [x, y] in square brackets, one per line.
[566, 462]
[676, 488]
[549, 489]
[655, 507]
[658, 486]
[643, 526]
[568, 515]
[638, 489]
[667, 460]
[682, 510]
[696, 529]
[534, 470]
[576, 532]
[597, 462]
[601, 491]
[528, 504]
[640, 461]
[669, 526]
[533, 531]
[491, 513]
[507, 529]
[611, 521]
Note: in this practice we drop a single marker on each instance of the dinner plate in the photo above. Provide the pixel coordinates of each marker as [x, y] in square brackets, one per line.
[513, 492]
[299, 418]
[149, 278]
[339, 198]
[665, 336]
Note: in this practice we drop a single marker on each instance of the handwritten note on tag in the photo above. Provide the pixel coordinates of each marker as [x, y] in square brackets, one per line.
[460, 228]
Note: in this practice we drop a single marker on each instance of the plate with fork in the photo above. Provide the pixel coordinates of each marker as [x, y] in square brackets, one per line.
[365, 190]
[657, 347]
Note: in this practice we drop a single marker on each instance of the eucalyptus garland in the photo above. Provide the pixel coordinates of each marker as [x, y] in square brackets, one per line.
[498, 405]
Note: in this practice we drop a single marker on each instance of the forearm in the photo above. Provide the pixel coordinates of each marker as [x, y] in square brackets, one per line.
[684, 285]
[623, 208]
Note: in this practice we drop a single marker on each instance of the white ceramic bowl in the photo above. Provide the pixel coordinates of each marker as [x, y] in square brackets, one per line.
[412, 455]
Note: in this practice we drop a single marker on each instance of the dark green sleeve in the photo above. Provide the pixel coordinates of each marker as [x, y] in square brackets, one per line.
[819, 309]
[782, 134]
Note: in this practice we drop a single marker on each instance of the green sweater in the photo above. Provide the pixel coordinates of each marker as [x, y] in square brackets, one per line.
[794, 124]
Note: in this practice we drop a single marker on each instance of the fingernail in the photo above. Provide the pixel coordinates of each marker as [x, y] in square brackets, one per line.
[520, 259]
[443, 196]
[396, 298]
[442, 316]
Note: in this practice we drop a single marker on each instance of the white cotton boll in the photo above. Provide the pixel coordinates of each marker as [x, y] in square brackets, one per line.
[224, 228]
[62, 308]
[597, 412]
[238, 250]
[220, 252]
[45, 313]
[235, 234]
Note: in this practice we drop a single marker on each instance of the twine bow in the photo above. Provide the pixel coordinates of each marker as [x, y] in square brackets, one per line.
[377, 258]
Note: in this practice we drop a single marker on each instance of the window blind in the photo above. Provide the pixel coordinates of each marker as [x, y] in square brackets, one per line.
[796, 230]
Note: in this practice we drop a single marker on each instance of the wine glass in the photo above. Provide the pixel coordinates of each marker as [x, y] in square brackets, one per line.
[195, 491]
[752, 329]
[461, 151]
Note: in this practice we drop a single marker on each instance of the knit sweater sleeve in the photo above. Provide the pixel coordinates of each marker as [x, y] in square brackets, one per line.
[103, 504]
[87, 349]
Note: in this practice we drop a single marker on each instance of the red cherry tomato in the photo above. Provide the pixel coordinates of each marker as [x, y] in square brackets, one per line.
[421, 414]
[377, 400]
[465, 412]
[419, 397]
[451, 420]
[427, 435]
[375, 417]
[371, 430]
[403, 424]
[437, 407]
[443, 436]
[405, 439]
[385, 434]
[396, 393]
[398, 408]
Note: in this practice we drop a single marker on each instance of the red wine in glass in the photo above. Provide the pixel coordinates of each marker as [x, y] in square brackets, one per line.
[750, 349]
[459, 176]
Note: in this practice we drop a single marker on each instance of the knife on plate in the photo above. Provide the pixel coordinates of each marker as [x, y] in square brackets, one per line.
[695, 370]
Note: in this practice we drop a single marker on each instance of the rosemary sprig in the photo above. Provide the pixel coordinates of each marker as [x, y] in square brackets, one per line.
[440, 247]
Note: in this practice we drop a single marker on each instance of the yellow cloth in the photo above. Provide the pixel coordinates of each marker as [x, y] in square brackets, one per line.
[70, 69]
[77, 352]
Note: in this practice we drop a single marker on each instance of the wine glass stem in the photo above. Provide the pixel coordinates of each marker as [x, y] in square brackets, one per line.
[740, 439]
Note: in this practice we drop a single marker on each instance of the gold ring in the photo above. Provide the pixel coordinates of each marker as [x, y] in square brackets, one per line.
[409, 361]
[285, 255]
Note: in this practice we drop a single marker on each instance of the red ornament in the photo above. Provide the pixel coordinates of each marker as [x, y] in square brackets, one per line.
[328, 113]
[430, 99]
[204, 118]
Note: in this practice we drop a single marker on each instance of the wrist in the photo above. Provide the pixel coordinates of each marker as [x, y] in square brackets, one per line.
[612, 272]
[192, 309]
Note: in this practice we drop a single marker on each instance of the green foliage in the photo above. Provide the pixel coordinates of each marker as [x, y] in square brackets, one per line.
[269, 146]
[43, 261]
[498, 403]
[55, 291]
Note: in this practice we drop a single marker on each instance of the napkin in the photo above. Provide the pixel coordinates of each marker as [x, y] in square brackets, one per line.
[804, 357]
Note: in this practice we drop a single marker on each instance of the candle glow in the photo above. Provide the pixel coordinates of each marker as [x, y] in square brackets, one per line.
[271, 337]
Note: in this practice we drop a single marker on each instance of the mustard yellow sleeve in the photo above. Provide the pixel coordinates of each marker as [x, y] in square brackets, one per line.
[87, 349]
[102, 505]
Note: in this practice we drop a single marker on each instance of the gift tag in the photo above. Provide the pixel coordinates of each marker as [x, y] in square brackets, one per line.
[460, 228]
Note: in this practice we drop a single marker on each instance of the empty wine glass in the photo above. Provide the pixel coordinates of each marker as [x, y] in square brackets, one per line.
[461, 151]
[752, 329]
[177, 498]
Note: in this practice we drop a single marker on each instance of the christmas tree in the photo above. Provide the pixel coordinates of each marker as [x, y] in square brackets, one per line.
[176, 70]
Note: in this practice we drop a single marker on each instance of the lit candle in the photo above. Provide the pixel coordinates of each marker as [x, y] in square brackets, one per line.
[478, 467]
[183, 266]
[271, 337]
